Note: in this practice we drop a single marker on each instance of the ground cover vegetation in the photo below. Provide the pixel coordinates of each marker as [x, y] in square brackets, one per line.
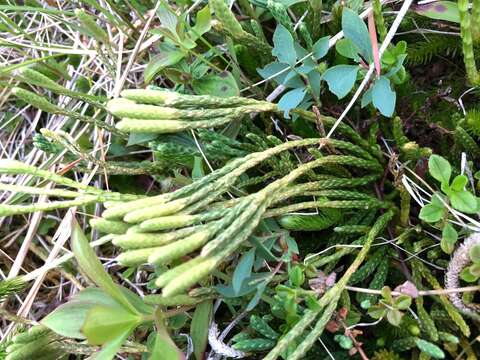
[259, 179]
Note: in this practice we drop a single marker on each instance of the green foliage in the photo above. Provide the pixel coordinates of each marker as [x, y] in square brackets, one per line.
[430, 349]
[236, 190]
[29, 344]
[390, 307]
[423, 52]
[471, 273]
[459, 198]
[312, 222]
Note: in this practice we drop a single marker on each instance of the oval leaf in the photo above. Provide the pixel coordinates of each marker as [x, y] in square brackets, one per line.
[439, 10]
[320, 48]
[439, 168]
[284, 49]
[222, 85]
[449, 238]
[105, 323]
[168, 56]
[109, 350]
[383, 97]
[291, 100]
[464, 201]
[340, 79]
[355, 29]
[243, 270]
[347, 48]
[431, 213]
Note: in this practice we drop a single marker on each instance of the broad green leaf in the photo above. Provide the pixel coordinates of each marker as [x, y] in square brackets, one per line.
[475, 270]
[243, 270]
[293, 80]
[347, 48]
[301, 52]
[93, 268]
[163, 349]
[436, 199]
[388, 57]
[296, 276]
[355, 29]
[355, 4]
[68, 318]
[284, 49]
[366, 98]
[222, 85]
[439, 10]
[383, 97]
[459, 183]
[168, 18]
[291, 100]
[203, 23]
[398, 65]
[314, 79]
[377, 311]
[464, 201]
[467, 276]
[304, 69]
[320, 48]
[344, 341]
[394, 317]
[177, 321]
[263, 251]
[366, 304]
[403, 302]
[400, 47]
[449, 238]
[201, 322]
[105, 323]
[475, 254]
[272, 69]
[387, 294]
[110, 348]
[431, 213]
[439, 168]
[137, 302]
[341, 78]
[168, 56]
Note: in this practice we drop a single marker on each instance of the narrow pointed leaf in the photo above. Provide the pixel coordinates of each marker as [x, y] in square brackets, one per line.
[93, 268]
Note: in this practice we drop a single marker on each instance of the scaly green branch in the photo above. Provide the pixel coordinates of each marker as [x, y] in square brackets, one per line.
[467, 42]
[330, 298]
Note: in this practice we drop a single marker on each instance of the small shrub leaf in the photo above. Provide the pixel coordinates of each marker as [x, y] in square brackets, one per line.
[341, 78]
[383, 97]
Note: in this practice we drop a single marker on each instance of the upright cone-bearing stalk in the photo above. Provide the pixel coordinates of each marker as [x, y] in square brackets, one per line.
[467, 42]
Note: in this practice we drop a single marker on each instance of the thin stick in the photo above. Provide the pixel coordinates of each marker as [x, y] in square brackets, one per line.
[32, 229]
